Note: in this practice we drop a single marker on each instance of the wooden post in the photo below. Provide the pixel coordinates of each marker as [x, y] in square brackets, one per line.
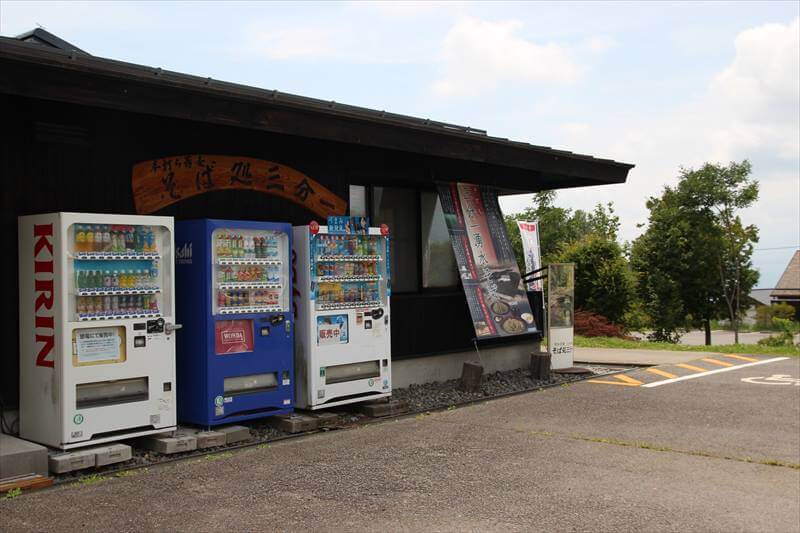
[540, 366]
[471, 374]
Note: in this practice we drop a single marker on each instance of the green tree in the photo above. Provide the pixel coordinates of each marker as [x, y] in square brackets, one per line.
[561, 225]
[694, 258]
[720, 193]
[604, 282]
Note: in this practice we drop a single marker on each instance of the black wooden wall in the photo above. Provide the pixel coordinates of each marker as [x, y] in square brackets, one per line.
[62, 157]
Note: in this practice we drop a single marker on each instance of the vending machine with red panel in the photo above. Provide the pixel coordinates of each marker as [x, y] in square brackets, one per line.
[235, 360]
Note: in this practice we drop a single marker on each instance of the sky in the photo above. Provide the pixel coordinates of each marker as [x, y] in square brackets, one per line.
[664, 86]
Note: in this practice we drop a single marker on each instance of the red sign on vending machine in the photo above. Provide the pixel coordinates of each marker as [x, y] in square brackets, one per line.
[233, 336]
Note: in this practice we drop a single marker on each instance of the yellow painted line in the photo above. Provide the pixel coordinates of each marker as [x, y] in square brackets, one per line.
[743, 358]
[716, 362]
[628, 379]
[661, 372]
[612, 383]
[691, 367]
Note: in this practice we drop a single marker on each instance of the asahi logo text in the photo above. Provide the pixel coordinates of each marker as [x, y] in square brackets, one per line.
[44, 323]
[184, 254]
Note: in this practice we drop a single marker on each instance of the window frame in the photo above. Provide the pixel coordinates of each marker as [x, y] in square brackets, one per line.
[370, 198]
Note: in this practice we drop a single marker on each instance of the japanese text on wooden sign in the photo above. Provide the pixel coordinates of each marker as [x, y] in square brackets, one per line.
[161, 182]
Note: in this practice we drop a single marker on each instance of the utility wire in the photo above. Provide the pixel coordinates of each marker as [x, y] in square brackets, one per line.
[776, 248]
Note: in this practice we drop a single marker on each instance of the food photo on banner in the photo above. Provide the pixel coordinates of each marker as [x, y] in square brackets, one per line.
[489, 273]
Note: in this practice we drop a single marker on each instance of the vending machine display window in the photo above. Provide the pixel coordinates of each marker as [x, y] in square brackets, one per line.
[248, 271]
[116, 270]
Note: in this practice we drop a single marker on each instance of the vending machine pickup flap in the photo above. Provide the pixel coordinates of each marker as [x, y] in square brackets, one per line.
[352, 372]
[252, 383]
[103, 393]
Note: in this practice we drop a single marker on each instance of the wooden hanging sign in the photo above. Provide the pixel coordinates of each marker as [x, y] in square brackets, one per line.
[162, 182]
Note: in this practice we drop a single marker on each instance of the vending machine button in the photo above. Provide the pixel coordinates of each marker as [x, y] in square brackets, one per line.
[368, 324]
[139, 341]
[265, 331]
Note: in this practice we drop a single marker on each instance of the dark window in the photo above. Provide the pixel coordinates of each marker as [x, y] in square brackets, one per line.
[398, 209]
[439, 267]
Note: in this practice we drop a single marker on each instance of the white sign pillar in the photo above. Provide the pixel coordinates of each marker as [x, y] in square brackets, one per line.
[560, 313]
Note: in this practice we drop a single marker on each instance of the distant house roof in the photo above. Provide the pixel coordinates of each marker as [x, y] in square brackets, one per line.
[38, 64]
[761, 296]
[788, 287]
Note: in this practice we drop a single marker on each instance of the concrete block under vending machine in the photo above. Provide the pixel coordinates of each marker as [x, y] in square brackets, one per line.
[387, 407]
[205, 439]
[295, 422]
[234, 434]
[70, 461]
[326, 419]
[167, 444]
[113, 453]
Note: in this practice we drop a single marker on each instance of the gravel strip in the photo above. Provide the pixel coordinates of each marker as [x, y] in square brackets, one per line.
[441, 394]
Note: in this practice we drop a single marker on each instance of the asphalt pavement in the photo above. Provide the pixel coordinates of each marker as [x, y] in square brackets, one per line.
[705, 453]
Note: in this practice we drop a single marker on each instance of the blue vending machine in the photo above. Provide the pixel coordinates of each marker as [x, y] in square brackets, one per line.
[235, 354]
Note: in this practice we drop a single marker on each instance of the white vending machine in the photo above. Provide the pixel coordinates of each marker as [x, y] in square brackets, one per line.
[97, 343]
[342, 293]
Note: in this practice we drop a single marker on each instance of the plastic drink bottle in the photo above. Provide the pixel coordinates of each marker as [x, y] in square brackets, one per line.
[114, 238]
[89, 236]
[139, 239]
[97, 239]
[106, 239]
[80, 238]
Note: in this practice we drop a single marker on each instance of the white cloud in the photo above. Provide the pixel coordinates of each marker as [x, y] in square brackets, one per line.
[599, 45]
[478, 56]
[757, 95]
[749, 110]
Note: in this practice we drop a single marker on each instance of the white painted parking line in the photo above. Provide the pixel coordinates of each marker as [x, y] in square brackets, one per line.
[717, 371]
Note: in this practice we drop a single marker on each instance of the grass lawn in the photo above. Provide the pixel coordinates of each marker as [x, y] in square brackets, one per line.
[613, 342]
